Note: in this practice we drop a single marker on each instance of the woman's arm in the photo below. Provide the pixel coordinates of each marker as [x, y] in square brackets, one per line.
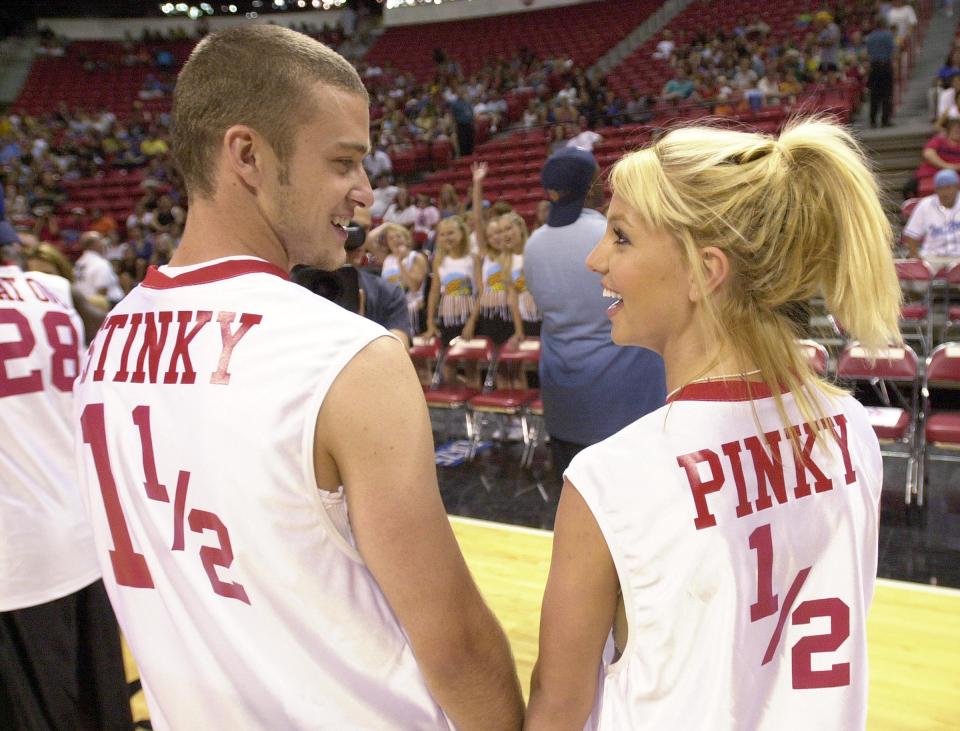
[513, 302]
[479, 173]
[433, 300]
[411, 278]
[578, 611]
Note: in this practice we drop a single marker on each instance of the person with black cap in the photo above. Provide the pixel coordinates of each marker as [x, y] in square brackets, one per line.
[583, 375]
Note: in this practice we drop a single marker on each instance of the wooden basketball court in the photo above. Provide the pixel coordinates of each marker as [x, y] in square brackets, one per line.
[914, 632]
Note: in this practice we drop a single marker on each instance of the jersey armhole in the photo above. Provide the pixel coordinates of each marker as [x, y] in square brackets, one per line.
[310, 430]
[584, 486]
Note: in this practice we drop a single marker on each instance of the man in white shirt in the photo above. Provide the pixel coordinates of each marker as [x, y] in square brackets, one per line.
[902, 19]
[93, 272]
[383, 196]
[585, 139]
[935, 222]
[377, 163]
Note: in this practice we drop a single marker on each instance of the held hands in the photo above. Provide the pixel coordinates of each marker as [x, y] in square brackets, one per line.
[479, 170]
[515, 340]
[467, 332]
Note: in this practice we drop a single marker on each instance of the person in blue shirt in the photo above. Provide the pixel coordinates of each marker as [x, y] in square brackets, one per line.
[590, 387]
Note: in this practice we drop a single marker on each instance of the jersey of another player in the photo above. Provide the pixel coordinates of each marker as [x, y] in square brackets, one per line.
[746, 571]
[235, 579]
[46, 546]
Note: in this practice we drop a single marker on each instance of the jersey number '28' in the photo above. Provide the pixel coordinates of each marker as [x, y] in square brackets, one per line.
[62, 352]
[767, 604]
[129, 567]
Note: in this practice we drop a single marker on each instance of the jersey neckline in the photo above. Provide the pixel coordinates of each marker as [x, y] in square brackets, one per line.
[732, 390]
[215, 271]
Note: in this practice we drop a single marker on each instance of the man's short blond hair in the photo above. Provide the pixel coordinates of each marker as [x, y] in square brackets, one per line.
[255, 75]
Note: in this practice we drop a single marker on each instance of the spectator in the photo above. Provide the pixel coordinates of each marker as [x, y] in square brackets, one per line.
[462, 112]
[585, 138]
[94, 275]
[935, 223]
[665, 47]
[103, 223]
[402, 210]
[581, 370]
[378, 162]
[678, 88]
[383, 196]
[450, 204]
[947, 102]
[942, 152]
[426, 217]
[880, 49]
[902, 19]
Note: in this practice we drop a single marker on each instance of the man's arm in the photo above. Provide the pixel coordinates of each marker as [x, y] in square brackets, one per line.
[579, 606]
[91, 316]
[374, 437]
[912, 245]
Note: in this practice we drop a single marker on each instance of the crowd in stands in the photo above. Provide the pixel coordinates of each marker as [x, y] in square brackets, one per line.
[724, 72]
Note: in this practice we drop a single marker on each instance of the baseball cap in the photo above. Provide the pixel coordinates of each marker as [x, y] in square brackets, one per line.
[946, 177]
[569, 172]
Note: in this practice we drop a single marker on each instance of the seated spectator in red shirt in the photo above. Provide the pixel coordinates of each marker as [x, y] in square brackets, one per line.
[103, 223]
[942, 152]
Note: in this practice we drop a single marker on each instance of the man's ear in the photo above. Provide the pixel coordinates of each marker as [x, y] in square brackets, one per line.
[716, 270]
[245, 154]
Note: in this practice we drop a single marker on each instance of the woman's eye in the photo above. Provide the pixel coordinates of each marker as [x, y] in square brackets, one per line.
[620, 239]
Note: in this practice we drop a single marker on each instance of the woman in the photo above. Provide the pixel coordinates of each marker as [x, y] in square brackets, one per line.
[403, 266]
[450, 204]
[513, 233]
[453, 285]
[694, 548]
[402, 210]
[495, 314]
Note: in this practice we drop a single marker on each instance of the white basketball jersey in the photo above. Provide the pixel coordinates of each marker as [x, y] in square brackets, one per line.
[746, 572]
[234, 578]
[46, 546]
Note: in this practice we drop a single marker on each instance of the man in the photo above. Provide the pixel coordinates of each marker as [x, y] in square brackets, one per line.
[61, 666]
[935, 222]
[582, 373]
[880, 49]
[902, 19]
[220, 468]
[383, 196]
[93, 273]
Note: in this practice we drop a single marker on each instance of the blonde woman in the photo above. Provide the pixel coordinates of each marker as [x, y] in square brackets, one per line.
[513, 233]
[495, 314]
[714, 561]
[404, 266]
[453, 286]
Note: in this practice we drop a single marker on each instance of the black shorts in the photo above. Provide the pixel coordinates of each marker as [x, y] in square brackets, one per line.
[61, 666]
[449, 332]
[495, 328]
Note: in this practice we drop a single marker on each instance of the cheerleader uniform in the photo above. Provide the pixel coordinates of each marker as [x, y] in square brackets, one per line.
[457, 289]
[494, 321]
[415, 298]
[529, 312]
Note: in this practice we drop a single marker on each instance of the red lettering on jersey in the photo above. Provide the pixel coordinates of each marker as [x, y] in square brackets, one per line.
[10, 284]
[701, 488]
[6, 294]
[841, 422]
[112, 323]
[123, 374]
[152, 346]
[804, 463]
[38, 291]
[87, 361]
[181, 346]
[769, 469]
[731, 451]
[222, 375]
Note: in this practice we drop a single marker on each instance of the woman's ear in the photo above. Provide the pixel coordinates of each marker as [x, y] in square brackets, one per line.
[716, 270]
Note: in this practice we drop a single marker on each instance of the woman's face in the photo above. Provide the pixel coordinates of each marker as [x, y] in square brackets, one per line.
[511, 237]
[495, 235]
[448, 236]
[649, 278]
[395, 241]
[403, 198]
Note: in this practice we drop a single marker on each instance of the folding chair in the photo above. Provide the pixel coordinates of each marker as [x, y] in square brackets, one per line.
[425, 353]
[452, 397]
[503, 403]
[894, 372]
[940, 440]
[916, 315]
[951, 281]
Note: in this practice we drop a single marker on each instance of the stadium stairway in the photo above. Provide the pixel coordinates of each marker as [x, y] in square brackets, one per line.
[639, 35]
[16, 57]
